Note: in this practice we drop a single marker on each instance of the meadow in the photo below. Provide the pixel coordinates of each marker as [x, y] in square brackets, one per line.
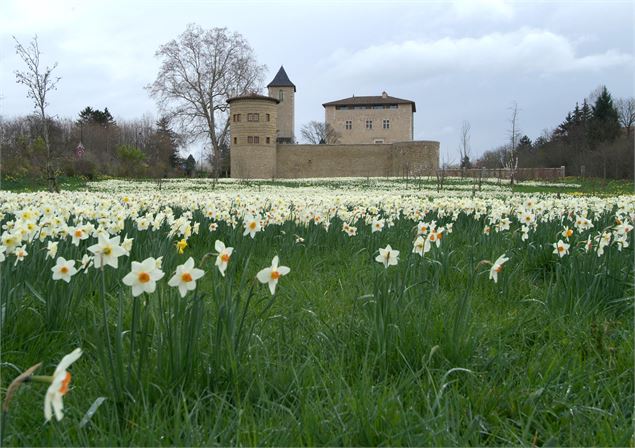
[359, 312]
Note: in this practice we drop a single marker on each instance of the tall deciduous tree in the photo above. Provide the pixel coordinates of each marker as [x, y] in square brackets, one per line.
[199, 71]
[626, 111]
[319, 133]
[509, 157]
[39, 81]
[465, 147]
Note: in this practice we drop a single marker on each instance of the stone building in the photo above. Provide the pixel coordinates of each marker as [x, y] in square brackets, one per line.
[371, 119]
[284, 90]
[263, 143]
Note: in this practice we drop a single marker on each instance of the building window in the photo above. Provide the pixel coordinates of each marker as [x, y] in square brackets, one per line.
[253, 117]
[268, 117]
[349, 124]
[369, 124]
[280, 95]
[378, 141]
[256, 140]
[393, 106]
[250, 139]
[235, 140]
[268, 140]
[386, 124]
[236, 117]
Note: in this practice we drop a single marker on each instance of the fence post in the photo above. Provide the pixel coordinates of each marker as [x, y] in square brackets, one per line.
[562, 172]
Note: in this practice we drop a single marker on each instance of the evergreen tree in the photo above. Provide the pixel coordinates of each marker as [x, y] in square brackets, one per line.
[524, 144]
[190, 165]
[95, 116]
[167, 142]
[605, 124]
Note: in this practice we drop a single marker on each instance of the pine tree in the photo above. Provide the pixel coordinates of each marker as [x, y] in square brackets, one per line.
[95, 116]
[605, 124]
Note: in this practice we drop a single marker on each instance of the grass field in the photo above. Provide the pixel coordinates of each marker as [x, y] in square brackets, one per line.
[423, 348]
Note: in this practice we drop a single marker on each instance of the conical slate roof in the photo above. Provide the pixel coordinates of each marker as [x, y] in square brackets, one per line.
[281, 80]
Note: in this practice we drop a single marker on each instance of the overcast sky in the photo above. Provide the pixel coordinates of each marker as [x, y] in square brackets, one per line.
[464, 60]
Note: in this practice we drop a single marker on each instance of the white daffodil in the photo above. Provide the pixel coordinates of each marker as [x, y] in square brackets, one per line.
[420, 246]
[51, 249]
[64, 269]
[127, 244]
[497, 267]
[350, 230]
[561, 248]
[224, 254]
[20, 252]
[107, 251]
[77, 234]
[185, 277]
[422, 228]
[143, 277]
[388, 256]
[252, 225]
[59, 386]
[10, 241]
[86, 262]
[271, 274]
[377, 225]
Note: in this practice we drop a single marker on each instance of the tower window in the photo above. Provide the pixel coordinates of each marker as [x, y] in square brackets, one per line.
[349, 124]
[236, 117]
[268, 117]
[235, 140]
[253, 117]
[386, 124]
[268, 140]
[369, 124]
[280, 95]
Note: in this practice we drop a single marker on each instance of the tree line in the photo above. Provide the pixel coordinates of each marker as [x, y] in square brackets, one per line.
[92, 145]
[595, 139]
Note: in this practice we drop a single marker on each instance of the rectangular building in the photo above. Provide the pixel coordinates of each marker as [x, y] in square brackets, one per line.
[371, 119]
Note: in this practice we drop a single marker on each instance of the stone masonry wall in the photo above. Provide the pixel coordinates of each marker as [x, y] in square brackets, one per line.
[373, 160]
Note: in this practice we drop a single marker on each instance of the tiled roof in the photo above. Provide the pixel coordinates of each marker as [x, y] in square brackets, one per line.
[281, 80]
[253, 96]
[370, 101]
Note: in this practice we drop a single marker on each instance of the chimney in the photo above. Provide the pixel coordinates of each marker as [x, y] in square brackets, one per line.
[384, 94]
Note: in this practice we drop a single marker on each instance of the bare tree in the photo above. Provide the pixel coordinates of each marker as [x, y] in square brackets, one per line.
[200, 70]
[317, 132]
[39, 81]
[465, 148]
[509, 157]
[626, 113]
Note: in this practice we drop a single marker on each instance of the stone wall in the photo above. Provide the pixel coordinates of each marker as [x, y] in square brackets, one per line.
[361, 160]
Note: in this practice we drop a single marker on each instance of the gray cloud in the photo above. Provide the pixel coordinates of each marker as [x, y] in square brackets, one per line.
[526, 51]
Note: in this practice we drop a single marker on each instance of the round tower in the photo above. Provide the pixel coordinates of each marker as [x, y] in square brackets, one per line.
[253, 125]
[282, 89]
